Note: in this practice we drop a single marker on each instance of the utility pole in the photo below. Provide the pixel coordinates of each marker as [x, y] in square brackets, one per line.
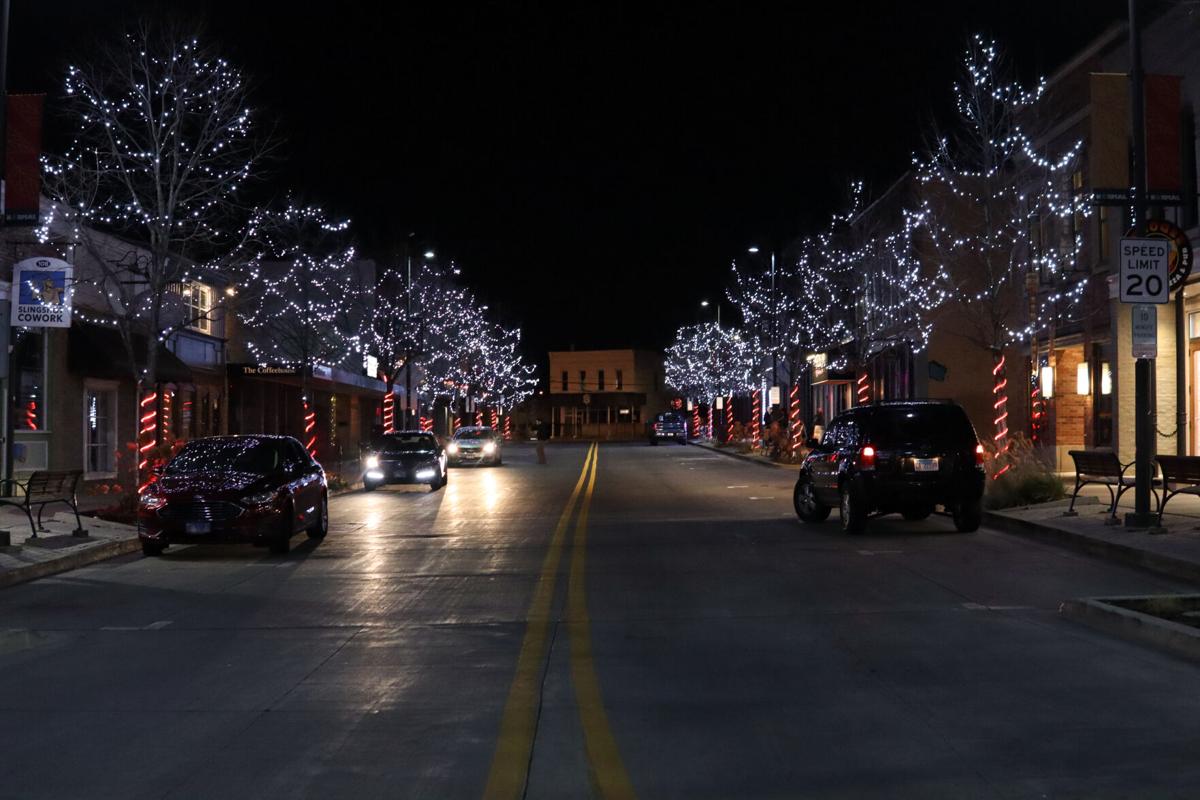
[6, 355]
[1145, 413]
[408, 353]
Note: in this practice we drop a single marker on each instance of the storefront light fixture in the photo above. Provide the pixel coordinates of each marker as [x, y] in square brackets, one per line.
[1047, 381]
[1105, 378]
[1083, 379]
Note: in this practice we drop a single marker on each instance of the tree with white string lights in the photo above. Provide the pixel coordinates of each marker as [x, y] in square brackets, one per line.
[306, 297]
[149, 187]
[999, 214]
[708, 360]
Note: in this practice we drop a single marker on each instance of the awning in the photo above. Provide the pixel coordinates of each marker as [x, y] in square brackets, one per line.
[96, 351]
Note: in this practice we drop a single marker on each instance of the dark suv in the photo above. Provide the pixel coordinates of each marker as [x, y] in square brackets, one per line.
[669, 426]
[906, 457]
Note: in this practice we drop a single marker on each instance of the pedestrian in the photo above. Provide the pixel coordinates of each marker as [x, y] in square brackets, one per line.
[818, 425]
[543, 433]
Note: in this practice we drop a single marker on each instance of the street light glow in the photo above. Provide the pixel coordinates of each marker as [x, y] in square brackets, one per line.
[429, 254]
[704, 304]
[752, 250]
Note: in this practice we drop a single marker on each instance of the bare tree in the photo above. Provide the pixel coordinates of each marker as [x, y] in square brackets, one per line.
[149, 189]
[987, 191]
[306, 305]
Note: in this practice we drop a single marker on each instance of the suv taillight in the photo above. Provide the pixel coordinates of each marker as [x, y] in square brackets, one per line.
[655, 427]
[979, 455]
[866, 457]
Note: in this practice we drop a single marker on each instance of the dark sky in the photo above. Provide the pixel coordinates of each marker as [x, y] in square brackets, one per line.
[592, 167]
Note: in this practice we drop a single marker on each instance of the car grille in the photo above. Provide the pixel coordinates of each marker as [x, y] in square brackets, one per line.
[212, 512]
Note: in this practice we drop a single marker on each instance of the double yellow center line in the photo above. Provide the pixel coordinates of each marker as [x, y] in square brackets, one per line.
[514, 748]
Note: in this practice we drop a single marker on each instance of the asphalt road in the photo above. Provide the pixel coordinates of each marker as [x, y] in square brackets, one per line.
[660, 625]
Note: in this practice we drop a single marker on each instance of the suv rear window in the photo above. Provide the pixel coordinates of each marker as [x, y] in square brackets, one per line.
[669, 417]
[940, 426]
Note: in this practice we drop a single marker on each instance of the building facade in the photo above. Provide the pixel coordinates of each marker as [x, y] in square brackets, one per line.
[604, 394]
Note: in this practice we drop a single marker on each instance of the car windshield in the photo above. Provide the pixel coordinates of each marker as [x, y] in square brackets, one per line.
[410, 443]
[937, 426]
[481, 434]
[249, 455]
[670, 418]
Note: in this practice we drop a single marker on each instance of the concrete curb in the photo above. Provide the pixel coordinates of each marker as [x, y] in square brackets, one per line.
[739, 456]
[1177, 639]
[83, 558]
[1112, 551]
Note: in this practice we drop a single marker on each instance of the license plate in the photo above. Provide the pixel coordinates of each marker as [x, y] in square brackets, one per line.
[925, 464]
[197, 527]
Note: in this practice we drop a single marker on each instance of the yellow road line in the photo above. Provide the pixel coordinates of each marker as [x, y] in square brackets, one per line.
[510, 764]
[604, 759]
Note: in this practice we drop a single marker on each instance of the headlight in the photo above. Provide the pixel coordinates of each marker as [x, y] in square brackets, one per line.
[372, 462]
[489, 448]
[151, 501]
[452, 448]
[424, 474]
[259, 498]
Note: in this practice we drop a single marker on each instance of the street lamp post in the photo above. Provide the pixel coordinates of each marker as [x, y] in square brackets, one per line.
[774, 335]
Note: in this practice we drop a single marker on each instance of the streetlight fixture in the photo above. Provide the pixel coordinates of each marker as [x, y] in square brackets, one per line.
[429, 254]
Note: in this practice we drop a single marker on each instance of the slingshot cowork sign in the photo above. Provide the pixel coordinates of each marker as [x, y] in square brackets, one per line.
[41, 296]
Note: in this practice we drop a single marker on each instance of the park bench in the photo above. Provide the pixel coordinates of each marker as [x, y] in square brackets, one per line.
[43, 488]
[1102, 467]
[1178, 471]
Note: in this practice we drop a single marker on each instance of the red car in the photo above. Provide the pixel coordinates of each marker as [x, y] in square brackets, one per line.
[255, 489]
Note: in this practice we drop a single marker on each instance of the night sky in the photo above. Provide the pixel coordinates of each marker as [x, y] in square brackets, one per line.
[591, 167]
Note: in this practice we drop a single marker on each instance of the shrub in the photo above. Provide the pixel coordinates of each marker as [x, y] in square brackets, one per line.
[1024, 475]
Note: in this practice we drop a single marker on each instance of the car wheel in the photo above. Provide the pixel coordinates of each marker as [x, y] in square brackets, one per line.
[968, 515]
[370, 486]
[808, 507]
[916, 513]
[151, 549]
[854, 510]
[654, 442]
[321, 526]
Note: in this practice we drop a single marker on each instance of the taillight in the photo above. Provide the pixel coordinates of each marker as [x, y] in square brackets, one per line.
[655, 427]
[866, 457]
[979, 455]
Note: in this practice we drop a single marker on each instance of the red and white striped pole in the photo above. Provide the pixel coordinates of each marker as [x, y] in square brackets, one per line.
[756, 422]
[794, 418]
[1000, 407]
[147, 431]
[864, 388]
[389, 412]
[508, 427]
[696, 419]
[728, 418]
[310, 429]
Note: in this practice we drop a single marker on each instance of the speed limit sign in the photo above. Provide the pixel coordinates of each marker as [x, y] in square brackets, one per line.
[1145, 270]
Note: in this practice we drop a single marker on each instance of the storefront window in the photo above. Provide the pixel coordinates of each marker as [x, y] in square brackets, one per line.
[1194, 325]
[29, 357]
[99, 429]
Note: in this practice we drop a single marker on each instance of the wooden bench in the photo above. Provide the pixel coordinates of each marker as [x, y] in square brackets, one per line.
[1180, 471]
[43, 488]
[1104, 468]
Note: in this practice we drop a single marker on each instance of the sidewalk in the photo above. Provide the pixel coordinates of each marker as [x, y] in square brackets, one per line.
[57, 549]
[753, 458]
[1174, 552]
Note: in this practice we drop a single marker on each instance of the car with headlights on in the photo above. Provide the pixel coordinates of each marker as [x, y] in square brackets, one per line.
[405, 457]
[254, 489]
[475, 445]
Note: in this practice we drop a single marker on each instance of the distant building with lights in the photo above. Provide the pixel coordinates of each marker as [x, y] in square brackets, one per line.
[604, 394]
